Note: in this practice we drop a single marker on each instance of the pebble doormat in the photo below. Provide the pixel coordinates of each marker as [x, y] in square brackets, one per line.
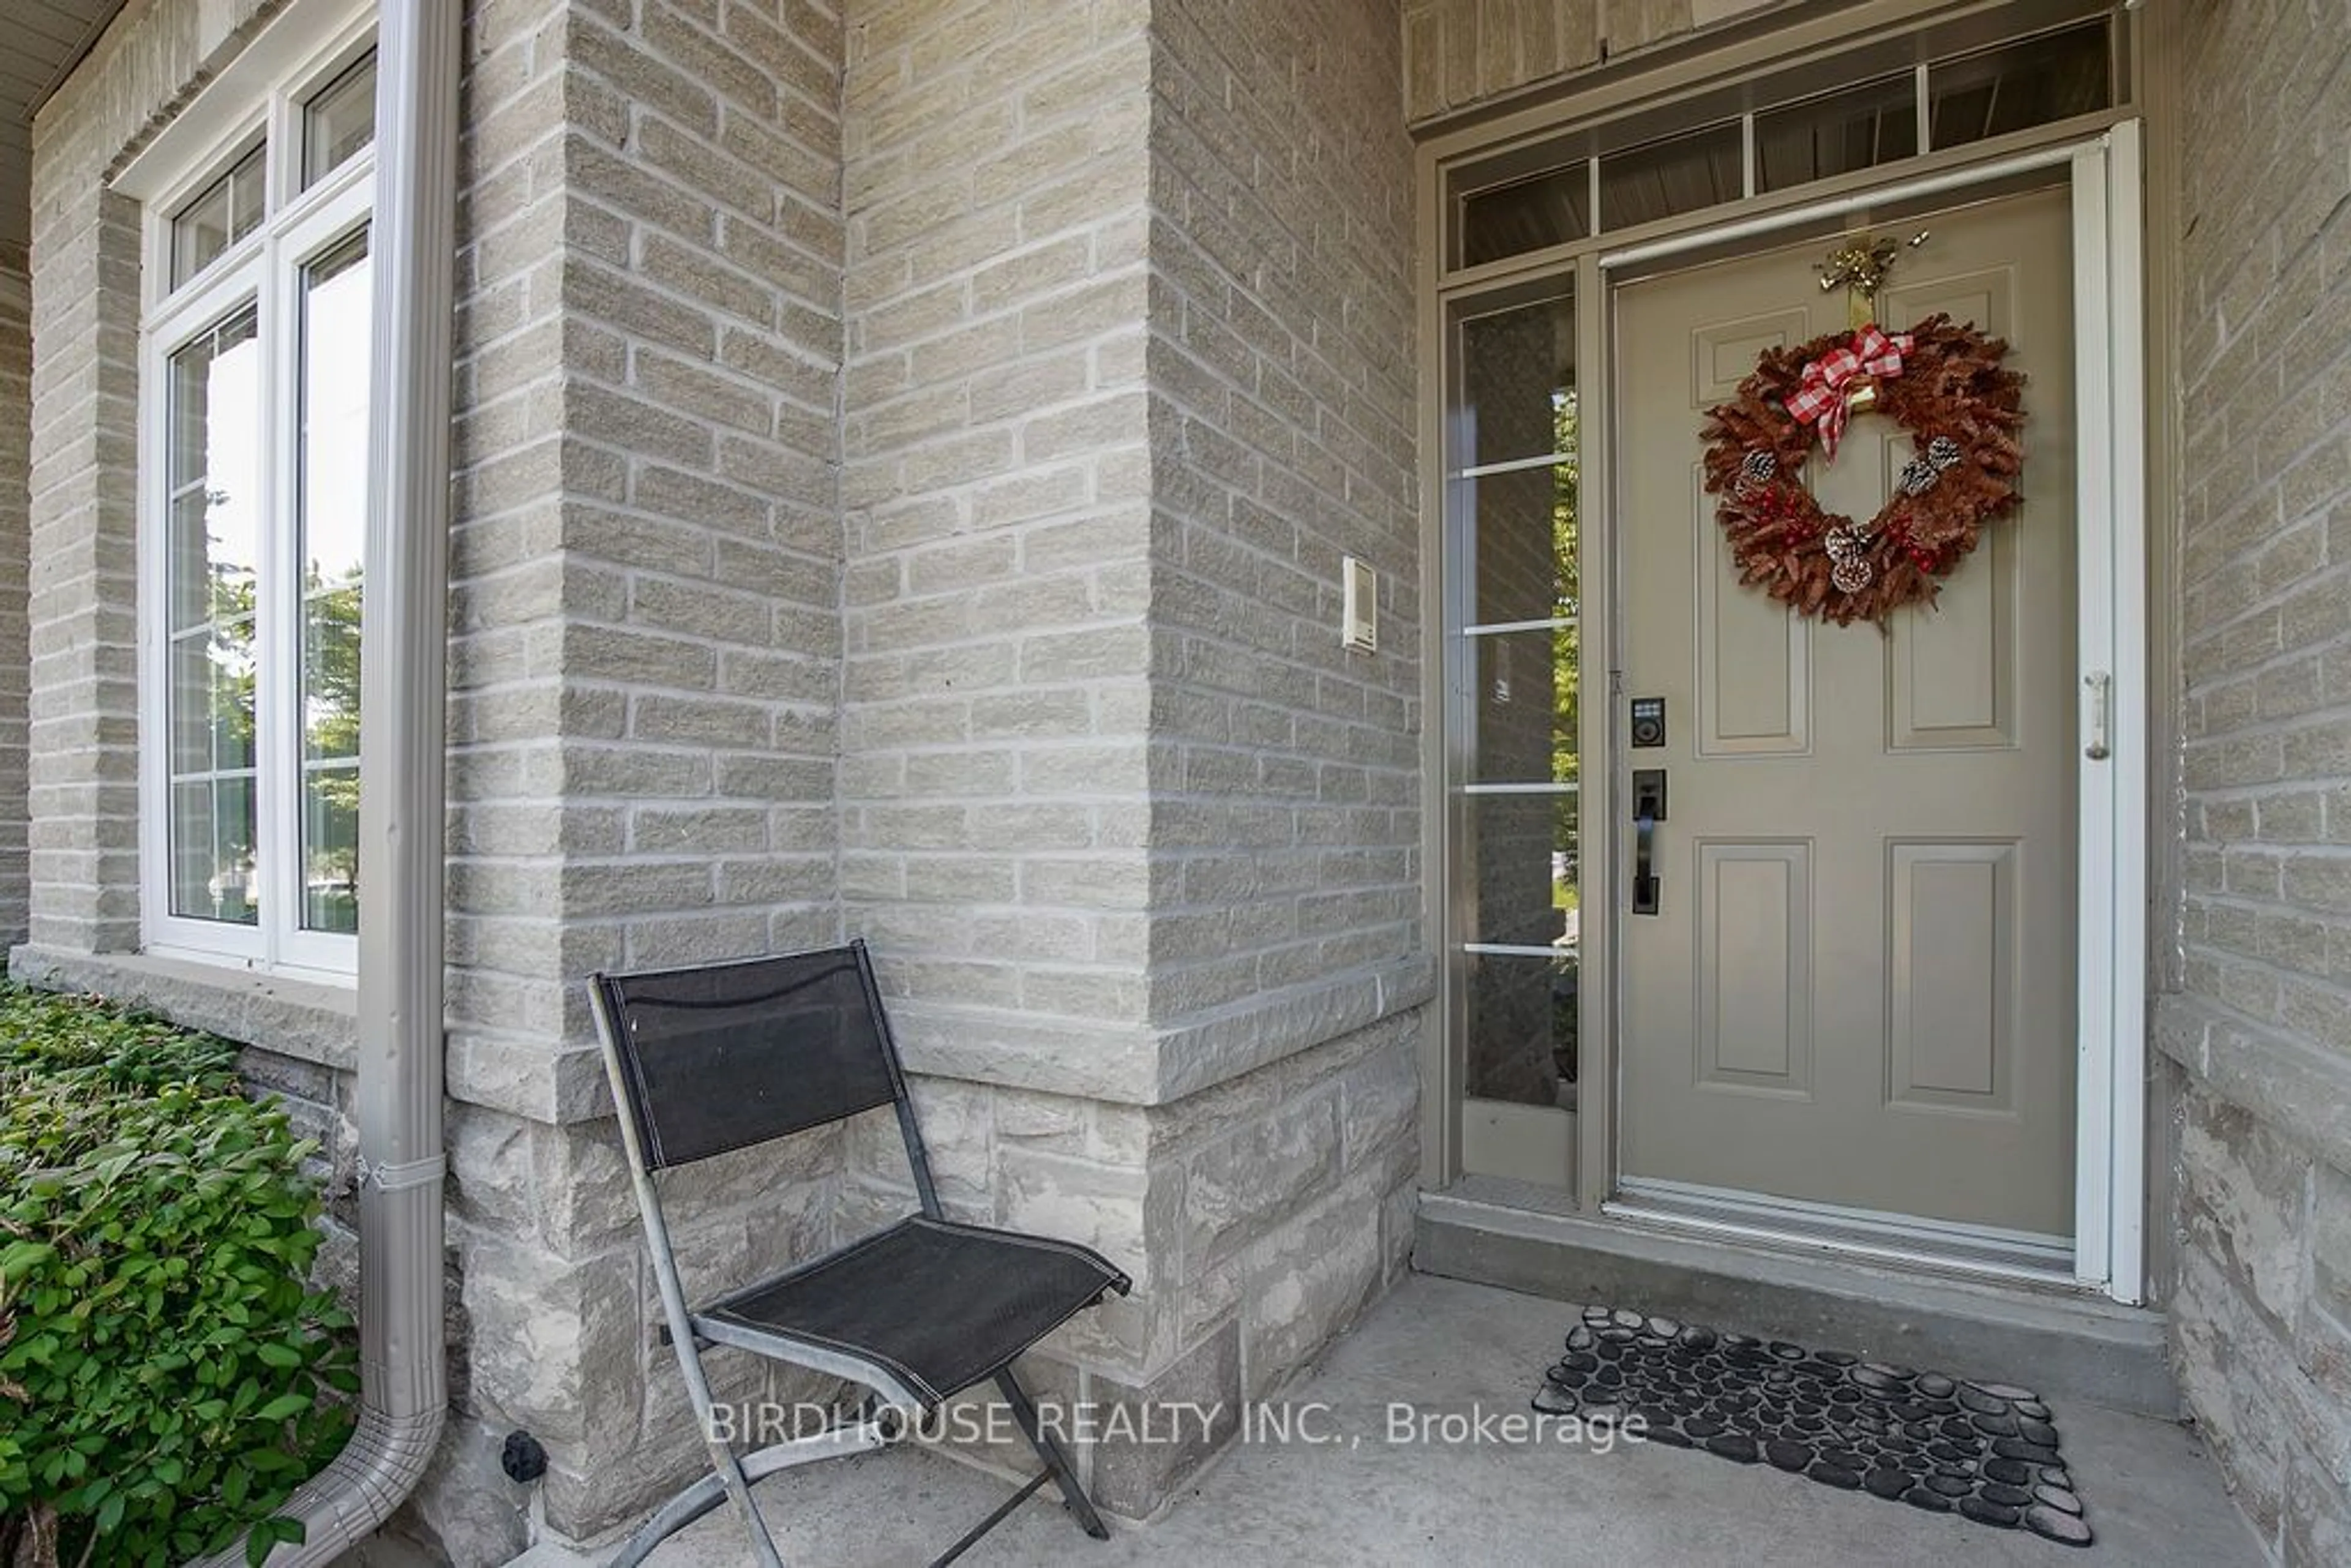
[1983, 1450]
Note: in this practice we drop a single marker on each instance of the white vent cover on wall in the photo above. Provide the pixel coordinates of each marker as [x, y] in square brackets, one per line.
[1359, 611]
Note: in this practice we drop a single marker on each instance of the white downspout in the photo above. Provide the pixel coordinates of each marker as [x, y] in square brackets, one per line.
[404, 1378]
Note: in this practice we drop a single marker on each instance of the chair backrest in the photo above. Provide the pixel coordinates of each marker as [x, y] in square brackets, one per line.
[723, 1056]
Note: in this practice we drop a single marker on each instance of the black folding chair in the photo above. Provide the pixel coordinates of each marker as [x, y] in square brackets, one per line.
[711, 1059]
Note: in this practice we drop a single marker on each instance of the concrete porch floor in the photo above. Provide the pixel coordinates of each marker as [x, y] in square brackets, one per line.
[2152, 1495]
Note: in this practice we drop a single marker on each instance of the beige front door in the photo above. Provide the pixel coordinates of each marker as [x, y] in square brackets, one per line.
[1858, 990]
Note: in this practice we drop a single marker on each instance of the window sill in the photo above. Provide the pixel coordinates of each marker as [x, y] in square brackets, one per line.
[309, 1020]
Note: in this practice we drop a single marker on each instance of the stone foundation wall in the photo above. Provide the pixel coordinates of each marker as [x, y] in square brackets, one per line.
[2259, 1038]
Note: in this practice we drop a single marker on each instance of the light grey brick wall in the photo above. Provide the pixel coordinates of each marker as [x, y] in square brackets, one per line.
[646, 565]
[1285, 849]
[1461, 53]
[2259, 1039]
[995, 766]
[16, 528]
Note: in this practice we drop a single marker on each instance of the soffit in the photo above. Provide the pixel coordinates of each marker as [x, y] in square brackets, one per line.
[43, 40]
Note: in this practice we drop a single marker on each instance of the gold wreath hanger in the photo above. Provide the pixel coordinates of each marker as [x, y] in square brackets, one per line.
[1860, 269]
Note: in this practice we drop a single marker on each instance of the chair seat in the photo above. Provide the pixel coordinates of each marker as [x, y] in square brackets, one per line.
[937, 1304]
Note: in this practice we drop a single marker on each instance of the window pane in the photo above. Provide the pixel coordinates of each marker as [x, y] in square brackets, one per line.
[1550, 209]
[1521, 1028]
[212, 851]
[1524, 543]
[1523, 1008]
[1523, 847]
[2033, 82]
[1680, 175]
[212, 700]
[1835, 135]
[1527, 703]
[229, 209]
[330, 852]
[337, 121]
[333, 524]
[1516, 365]
[212, 470]
[214, 474]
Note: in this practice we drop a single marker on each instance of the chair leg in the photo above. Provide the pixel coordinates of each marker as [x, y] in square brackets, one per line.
[730, 1476]
[727, 1468]
[1025, 1412]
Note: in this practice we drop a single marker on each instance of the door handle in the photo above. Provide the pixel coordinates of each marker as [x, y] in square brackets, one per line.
[2100, 688]
[1648, 811]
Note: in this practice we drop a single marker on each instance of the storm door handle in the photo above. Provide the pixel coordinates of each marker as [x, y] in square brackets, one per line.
[1648, 811]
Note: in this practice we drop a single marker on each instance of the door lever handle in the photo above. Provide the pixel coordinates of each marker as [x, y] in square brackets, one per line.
[1645, 872]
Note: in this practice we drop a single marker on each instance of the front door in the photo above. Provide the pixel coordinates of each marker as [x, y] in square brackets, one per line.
[1857, 993]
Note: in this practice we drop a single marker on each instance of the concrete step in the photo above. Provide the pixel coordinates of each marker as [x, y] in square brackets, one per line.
[2064, 1344]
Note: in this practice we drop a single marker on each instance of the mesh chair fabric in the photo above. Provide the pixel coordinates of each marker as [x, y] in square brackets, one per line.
[939, 1305]
[719, 1058]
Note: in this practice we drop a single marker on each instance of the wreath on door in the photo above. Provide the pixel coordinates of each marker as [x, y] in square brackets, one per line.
[1942, 381]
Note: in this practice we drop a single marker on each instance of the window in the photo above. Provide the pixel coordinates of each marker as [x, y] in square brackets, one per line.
[254, 470]
[1514, 656]
[1953, 84]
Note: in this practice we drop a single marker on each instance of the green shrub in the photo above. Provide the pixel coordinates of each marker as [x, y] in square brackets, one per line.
[167, 1378]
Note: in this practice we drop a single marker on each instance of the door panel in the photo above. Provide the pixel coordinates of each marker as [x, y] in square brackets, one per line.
[1757, 696]
[1860, 987]
[1755, 967]
[1952, 673]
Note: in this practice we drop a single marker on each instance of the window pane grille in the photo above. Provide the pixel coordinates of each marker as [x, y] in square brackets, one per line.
[1516, 606]
[228, 209]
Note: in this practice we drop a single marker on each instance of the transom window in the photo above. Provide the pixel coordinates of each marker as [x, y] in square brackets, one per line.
[1946, 88]
[254, 464]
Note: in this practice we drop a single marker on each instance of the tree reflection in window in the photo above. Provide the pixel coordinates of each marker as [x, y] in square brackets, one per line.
[214, 480]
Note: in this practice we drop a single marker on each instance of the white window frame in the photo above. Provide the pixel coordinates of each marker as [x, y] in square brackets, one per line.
[261, 98]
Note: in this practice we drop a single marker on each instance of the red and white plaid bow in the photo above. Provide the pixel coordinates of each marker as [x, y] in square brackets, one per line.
[1820, 398]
